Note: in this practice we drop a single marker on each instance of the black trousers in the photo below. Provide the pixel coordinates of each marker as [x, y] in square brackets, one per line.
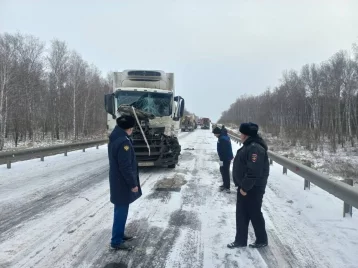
[248, 208]
[225, 174]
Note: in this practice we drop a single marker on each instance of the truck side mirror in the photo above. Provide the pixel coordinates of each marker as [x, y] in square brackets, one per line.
[180, 108]
[109, 105]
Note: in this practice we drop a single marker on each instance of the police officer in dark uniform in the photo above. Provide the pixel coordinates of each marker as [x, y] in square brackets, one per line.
[123, 179]
[250, 173]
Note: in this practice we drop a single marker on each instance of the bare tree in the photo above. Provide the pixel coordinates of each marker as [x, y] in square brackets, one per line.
[319, 102]
[31, 72]
[43, 94]
[58, 64]
[77, 79]
[8, 54]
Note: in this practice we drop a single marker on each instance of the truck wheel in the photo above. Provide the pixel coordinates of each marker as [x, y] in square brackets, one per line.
[172, 166]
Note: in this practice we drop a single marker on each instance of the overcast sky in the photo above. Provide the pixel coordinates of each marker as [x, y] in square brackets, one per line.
[218, 50]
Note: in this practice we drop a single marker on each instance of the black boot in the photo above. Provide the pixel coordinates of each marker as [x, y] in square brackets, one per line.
[258, 245]
[128, 238]
[122, 246]
[236, 245]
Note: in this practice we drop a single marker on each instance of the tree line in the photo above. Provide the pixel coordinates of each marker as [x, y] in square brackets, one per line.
[315, 105]
[48, 93]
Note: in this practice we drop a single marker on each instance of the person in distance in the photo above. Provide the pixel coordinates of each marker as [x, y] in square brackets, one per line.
[224, 150]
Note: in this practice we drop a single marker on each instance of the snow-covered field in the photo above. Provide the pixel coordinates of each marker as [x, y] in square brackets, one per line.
[339, 165]
[57, 214]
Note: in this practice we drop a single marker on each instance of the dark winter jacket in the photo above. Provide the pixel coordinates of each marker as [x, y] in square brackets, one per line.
[224, 130]
[224, 147]
[251, 166]
[123, 168]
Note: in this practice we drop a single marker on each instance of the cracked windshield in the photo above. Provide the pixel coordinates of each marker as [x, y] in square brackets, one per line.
[157, 104]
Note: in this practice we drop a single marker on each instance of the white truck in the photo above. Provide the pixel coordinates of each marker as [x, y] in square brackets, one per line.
[149, 96]
[188, 123]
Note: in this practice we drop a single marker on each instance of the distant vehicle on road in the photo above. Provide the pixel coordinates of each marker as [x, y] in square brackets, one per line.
[205, 123]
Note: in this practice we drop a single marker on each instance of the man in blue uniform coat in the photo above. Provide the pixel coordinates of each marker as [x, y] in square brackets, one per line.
[123, 178]
[224, 150]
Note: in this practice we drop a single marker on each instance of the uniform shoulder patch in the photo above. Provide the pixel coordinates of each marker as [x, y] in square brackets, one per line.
[126, 147]
[254, 158]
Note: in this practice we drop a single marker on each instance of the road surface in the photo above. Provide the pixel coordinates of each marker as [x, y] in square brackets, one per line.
[57, 214]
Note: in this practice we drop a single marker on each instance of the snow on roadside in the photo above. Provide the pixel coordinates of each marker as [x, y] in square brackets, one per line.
[45, 142]
[339, 165]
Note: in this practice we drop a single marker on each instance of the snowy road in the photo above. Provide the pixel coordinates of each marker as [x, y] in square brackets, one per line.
[57, 214]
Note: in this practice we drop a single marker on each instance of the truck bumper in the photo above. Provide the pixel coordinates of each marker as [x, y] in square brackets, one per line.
[163, 153]
[158, 163]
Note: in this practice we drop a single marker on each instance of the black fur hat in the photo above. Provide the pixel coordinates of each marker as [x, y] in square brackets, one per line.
[126, 122]
[217, 130]
[249, 129]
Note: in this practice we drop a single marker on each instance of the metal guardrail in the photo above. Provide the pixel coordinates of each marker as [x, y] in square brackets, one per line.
[342, 190]
[27, 154]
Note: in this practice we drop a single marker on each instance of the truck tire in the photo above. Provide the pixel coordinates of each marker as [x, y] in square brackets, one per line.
[172, 166]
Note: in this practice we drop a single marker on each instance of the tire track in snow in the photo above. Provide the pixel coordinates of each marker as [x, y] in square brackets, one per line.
[50, 201]
[297, 251]
[198, 222]
[75, 222]
[182, 135]
[145, 222]
[157, 221]
[148, 220]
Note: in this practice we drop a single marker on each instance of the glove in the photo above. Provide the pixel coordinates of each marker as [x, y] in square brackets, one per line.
[221, 163]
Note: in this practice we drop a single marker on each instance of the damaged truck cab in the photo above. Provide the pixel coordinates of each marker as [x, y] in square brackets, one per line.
[149, 96]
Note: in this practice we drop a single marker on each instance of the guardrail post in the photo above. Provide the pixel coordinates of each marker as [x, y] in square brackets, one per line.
[84, 149]
[42, 158]
[284, 170]
[97, 146]
[8, 164]
[307, 185]
[347, 209]
[65, 152]
[271, 162]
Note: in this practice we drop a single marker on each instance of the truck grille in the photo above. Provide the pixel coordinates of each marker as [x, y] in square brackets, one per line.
[141, 149]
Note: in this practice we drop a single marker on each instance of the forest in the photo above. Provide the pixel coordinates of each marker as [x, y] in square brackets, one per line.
[315, 105]
[48, 92]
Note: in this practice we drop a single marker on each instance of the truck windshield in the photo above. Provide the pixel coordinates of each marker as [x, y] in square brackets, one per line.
[158, 104]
